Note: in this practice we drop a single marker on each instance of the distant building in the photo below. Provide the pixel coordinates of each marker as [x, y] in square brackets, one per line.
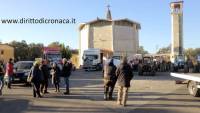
[75, 58]
[119, 36]
[6, 52]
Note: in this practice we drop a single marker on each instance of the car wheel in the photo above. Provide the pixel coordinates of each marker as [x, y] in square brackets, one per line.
[193, 90]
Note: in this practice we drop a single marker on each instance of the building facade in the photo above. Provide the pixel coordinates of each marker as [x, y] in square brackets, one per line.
[75, 58]
[117, 36]
[6, 52]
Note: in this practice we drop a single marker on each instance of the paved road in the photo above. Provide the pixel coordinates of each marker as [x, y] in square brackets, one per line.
[156, 94]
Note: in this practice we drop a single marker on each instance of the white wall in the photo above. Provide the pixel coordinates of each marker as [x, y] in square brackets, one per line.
[125, 39]
[84, 35]
[102, 37]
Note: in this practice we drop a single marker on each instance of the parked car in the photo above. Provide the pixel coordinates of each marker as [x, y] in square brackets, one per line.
[22, 70]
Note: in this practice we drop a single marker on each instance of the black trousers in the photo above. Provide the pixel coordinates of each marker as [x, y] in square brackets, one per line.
[44, 86]
[36, 89]
[109, 88]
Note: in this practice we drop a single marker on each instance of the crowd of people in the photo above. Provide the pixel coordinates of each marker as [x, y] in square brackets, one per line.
[41, 72]
[39, 76]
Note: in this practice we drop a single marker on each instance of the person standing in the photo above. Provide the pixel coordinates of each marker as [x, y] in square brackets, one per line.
[36, 74]
[124, 75]
[2, 71]
[9, 73]
[66, 72]
[109, 79]
[46, 74]
[55, 72]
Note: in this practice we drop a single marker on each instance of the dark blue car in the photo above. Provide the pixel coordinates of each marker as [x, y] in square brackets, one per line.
[21, 71]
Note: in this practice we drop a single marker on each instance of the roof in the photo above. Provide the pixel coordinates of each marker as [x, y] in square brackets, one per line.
[97, 20]
[6, 45]
[176, 2]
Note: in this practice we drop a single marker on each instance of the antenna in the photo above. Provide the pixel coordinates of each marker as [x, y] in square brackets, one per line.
[107, 4]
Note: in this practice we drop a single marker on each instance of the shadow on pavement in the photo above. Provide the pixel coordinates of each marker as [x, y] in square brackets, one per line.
[70, 109]
[152, 110]
[9, 105]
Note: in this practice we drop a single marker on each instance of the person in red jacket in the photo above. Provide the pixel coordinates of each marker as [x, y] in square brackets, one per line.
[9, 73]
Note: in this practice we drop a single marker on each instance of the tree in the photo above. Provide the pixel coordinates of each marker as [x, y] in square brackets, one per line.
[141, 50]
[35, 50]
[55, 44]
[190, 52]
[21, 50]
[66, 52]
[164, 50]
[24, 51]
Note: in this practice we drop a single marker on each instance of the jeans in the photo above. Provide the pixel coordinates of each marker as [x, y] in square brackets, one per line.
[1, 84]
[67, 84]
[8, 79]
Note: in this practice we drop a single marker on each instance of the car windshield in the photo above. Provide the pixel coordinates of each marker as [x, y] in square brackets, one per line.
[116, 57]
[54, 57]
[91, 57]
[24, 65]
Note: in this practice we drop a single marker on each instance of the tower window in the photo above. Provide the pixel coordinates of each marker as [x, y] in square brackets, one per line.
[2, 52]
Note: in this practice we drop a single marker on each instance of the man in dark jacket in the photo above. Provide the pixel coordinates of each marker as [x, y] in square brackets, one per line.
[109, 79]
[36, 74]
[46, 74]
[66, 72]
[124, 75]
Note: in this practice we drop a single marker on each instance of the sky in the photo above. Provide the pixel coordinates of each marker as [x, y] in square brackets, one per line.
[153, 15]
